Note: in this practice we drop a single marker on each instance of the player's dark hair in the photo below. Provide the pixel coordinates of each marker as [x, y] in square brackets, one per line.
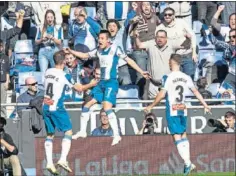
[113, 21]
[169, 8]
[229, 114]
[59, 57]
[176, 58]
[105, 32]
[161, 31]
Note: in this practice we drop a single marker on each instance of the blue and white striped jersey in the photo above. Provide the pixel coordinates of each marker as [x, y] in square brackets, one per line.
[108, 60]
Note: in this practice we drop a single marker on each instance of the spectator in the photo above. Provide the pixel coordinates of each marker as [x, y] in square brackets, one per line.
[49, 37]
[229, 48]
[226, 125]
[149, 125]
[31, 92]
[4, 77]
[40, 8]
[104, 129]
[182, 11]
[83, 30]
[224, 29]
[159, 52]
[229, 9]
[7, 34]
[9, 151]
[117, 10]
[206, 10]
[145, 24]
[177, 30]
[117, 38]
[202, 84]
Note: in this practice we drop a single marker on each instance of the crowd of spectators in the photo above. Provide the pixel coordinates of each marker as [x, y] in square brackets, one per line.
[149, 32]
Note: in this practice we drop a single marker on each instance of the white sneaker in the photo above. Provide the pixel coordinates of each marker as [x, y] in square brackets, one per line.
[116, 140]
[79, 134]
[52, 169]
[64, 165]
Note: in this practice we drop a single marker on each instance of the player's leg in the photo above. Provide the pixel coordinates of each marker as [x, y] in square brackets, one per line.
[107, 106]
[188, 164]
[110, 100]
[62, 122]
[48, 144]
[84, 118]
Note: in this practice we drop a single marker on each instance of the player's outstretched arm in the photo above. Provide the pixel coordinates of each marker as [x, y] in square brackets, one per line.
[200, 98]
[137, 68]
[80, 55]
[80, 88]
[157, 100]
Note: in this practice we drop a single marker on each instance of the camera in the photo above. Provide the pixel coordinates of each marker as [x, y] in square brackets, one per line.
[215, 123]
[149, 122]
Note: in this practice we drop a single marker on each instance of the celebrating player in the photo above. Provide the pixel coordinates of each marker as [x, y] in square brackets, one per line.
[54, 113]
[107, 88]
[175, 87]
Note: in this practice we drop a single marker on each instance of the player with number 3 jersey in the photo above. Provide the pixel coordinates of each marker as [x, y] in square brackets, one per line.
[105, 92]
[174, 90]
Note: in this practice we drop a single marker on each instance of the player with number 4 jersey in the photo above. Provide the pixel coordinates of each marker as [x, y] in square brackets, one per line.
[54, 113]
[105, 92]
[174, 90]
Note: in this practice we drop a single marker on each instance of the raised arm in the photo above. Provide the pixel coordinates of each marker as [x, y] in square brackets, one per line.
[81, 88]
[137, 68]
[80, 55]
[215, 18]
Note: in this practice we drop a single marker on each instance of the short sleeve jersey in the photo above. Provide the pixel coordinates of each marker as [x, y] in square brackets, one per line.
[108, 60]
[56, 83]
[176, 85]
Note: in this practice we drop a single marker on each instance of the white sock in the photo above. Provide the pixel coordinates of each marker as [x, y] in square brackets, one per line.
[65, 147]
[182, 152]
[187, 150]
[113, 122]
[48, 145]
[84, 119]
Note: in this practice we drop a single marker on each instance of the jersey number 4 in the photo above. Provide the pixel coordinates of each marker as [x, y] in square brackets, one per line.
[180, 90]
[49, 90]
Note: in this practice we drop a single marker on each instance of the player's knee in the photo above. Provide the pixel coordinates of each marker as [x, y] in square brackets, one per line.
[68, 133]
[50, 136]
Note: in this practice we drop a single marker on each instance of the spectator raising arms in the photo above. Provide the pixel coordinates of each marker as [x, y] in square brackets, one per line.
[224, 28]
[83, 30]
[177, 29]
[49, 37]
[117, 38]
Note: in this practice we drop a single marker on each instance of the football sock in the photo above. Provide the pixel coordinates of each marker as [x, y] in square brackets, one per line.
[48, 150]
[113, 122]
[182, 151]
[65, 147]
[84, 119]
[187, 150]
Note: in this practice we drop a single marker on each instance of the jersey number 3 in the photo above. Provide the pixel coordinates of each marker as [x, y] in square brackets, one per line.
[49, 90]
[180, 90]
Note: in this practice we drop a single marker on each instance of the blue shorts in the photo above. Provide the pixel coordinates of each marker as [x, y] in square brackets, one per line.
[177, 124]
[57, 119]
[105, 90]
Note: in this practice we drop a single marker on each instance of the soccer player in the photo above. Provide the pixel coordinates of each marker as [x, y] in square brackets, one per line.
[106, 90]
[175, 87]
[54, 113]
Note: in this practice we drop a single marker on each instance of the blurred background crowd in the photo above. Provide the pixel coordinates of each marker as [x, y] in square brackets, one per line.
[203, 33]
